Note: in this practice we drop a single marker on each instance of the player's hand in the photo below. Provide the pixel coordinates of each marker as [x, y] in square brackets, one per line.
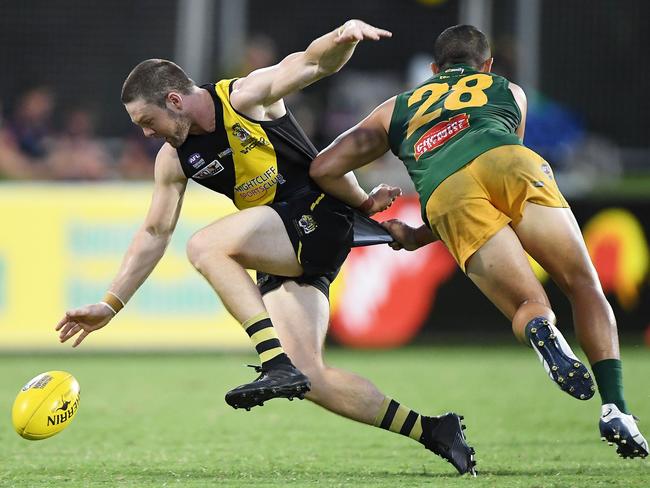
[83, 321]
[356, 30]
[405, 236]
[383, 197]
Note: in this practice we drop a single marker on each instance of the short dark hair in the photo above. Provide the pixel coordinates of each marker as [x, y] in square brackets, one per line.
[461, 44]
[153, 79]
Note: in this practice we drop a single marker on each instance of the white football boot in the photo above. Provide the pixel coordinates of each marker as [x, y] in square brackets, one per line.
[619, 428]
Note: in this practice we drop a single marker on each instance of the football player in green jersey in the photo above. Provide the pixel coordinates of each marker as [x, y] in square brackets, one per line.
[491, 200]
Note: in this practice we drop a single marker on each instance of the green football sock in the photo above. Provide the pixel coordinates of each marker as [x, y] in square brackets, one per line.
[609, 377]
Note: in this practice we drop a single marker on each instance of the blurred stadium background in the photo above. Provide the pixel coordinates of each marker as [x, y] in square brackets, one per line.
[76, 179]
[76, 173]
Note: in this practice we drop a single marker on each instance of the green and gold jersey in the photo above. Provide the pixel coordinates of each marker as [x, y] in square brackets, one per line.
[252, 162]
[449, 120]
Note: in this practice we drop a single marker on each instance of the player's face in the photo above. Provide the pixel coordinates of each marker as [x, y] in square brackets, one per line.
[158, 122]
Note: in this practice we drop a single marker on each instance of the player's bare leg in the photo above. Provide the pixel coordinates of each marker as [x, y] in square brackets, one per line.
[501, 270]
[221, 252]
[250, 239]
[553, 238]
[301, 316]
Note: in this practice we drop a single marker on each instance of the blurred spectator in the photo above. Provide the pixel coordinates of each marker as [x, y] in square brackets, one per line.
[13, 164]
[504, 49]
[31, 123]
[76, 153]
[552, 130]
[352, 96]
[260, 52]
[138, 156]
[26, 139]
[581, 160]
[418, 69]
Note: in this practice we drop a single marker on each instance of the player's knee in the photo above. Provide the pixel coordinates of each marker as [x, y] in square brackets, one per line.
[579, 281]
[197, 250]
[193, 249]
[583, 286]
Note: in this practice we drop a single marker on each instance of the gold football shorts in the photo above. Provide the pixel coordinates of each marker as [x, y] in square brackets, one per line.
[473, 204]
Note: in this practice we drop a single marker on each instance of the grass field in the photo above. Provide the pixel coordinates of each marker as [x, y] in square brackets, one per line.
[160, 420]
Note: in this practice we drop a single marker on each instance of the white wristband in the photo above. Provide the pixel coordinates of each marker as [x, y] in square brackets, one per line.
[110, 308]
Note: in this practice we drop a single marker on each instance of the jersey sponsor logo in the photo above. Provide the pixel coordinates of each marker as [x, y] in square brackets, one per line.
[440, 133]
[256, 188]
[211, 169]
[248, 141]
[196, 161]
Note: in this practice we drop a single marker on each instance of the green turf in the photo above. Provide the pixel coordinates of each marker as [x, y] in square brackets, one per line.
[160, 420]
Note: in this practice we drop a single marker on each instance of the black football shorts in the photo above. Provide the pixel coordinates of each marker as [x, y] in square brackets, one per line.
[320, 228]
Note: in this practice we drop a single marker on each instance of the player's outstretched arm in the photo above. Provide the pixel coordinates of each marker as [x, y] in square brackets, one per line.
[362, 144]
[324, 56]
[144, 252]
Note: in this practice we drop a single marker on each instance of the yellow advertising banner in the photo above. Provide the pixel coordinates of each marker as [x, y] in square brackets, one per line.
[60, 247]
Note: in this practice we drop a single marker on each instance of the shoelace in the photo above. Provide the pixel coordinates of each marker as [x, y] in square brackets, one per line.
[258, 369]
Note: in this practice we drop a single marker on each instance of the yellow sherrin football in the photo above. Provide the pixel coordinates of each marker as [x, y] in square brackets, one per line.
[45, 405]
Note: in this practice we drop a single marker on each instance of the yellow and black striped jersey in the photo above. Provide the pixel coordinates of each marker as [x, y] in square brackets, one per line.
[252, 162]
